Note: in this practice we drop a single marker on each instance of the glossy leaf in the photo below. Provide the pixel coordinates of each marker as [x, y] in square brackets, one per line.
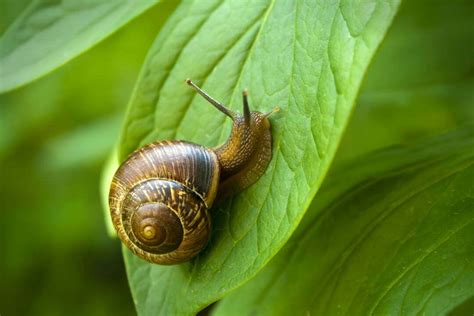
[50, 33]
[309, 58]
[389, 234]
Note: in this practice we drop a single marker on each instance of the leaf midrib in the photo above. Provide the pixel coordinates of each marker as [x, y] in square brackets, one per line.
[251, 50]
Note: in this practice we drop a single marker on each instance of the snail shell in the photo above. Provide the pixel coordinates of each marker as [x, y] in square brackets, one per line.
[160, 199]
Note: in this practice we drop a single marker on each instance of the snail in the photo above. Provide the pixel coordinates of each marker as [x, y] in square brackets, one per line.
[161, 194]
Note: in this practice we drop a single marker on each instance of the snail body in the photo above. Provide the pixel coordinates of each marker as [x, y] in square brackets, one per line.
[161, 194]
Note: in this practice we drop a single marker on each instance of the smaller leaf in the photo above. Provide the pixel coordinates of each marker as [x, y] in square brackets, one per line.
[50, 33]
[389, 234]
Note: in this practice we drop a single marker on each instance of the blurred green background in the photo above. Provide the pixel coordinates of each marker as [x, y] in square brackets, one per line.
[55, 135]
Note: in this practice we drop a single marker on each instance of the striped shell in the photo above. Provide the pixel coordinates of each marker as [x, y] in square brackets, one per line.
[159, 200]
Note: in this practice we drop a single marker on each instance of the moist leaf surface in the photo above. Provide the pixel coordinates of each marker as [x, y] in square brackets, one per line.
[308, 57]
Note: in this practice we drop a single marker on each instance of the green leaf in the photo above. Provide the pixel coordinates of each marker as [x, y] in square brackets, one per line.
[309, 58]
[389, 234]
[428, 89]
[50, 33]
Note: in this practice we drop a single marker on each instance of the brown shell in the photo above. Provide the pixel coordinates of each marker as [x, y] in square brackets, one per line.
[171, 181]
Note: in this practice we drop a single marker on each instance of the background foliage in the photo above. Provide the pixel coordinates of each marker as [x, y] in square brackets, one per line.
[413, 194]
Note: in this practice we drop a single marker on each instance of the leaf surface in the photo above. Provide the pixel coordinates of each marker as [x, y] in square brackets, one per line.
[50, 33]
[389, 234]
[309, 58]
[421, 94]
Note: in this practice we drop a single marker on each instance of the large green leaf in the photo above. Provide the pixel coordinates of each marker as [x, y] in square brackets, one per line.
[420, 94]
[389, 234]
[49, 33]
[309, 58]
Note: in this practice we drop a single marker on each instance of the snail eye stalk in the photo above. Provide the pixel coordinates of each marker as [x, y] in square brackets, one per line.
[213, 101]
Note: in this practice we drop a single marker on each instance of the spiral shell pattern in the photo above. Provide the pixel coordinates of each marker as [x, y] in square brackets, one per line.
[159, 200]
